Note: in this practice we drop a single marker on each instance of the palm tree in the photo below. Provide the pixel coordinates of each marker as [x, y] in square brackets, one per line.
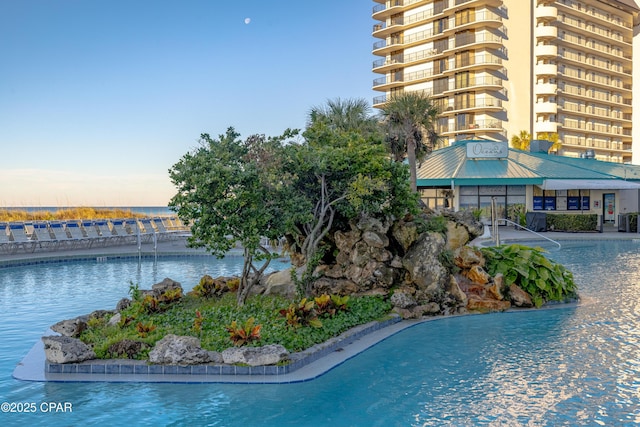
[521, 141]
[344, 115]
[410, 120]
[554, 138]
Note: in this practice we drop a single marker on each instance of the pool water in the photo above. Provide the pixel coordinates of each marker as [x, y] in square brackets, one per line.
[565, 366]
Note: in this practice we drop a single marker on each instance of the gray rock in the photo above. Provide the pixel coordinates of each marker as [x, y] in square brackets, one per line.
[181, 350]
[70, 327]
[281, 283]
[426, 272]
[123, 304]
[402, 300]
[115, 319]
[66, 350]
[164, 286]
[255, 356]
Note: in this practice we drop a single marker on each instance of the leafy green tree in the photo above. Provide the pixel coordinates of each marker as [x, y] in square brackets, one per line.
[410, 119]
[521, 141]
[341, 175]
[228, 190]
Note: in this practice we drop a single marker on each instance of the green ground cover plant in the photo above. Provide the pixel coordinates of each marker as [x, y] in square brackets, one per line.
[527, 267]
[220, 323]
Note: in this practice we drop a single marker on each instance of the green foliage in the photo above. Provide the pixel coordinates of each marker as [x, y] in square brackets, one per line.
[569, 222]
[447, 259]
[409, 118]
[543, 279]
[214, 313]
[134, 291]
[301, 314]
[477, 214]
[432, 223]
[521, 141]
[517, 213]
[245, 333]
[144, 329]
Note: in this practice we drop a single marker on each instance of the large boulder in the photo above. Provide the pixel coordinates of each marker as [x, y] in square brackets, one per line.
[405, 233]
[467, 257]
[70, 327]
[281, 283]
[457, 235]
[164, 286]
[477, 303]
[519, 297]
[425, 271]
[181, 350]
[256, 356]
[62, 349]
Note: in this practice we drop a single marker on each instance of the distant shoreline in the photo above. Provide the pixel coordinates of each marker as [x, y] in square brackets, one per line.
[50, 213]
[145, 210]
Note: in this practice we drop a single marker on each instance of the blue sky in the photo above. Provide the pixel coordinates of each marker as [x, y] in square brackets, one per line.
[99, 98]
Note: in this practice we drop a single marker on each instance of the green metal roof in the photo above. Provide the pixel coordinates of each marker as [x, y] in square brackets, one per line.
[449, 164]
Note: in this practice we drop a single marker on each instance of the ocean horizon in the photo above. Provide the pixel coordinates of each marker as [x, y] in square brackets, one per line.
[145, 210]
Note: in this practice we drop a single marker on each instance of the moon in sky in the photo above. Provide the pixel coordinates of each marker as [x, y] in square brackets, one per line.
[247, 20]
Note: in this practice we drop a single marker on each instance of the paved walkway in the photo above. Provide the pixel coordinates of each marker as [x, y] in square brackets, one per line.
[176, 246]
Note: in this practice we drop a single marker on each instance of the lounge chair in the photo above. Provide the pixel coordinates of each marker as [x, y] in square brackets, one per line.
[147, 229]
[63, 236]
[92, 232]
[19, 237]
[5, 244]
[42, 235]
[107, 234]
[119, 228]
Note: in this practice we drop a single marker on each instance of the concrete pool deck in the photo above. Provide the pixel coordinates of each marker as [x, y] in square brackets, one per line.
[34, 366]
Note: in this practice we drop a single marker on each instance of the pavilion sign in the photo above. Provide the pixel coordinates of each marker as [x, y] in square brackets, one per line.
[487, 149]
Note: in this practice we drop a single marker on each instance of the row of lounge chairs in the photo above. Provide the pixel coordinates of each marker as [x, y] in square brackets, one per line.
[52, 235]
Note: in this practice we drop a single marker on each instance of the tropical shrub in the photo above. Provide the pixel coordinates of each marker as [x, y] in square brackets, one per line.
[243, 334]
[543, 279]
[572, 222]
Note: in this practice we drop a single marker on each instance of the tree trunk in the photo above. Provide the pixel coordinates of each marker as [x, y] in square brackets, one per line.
[411, 157]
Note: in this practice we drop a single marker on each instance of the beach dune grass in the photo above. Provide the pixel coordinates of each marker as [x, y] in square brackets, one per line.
[75, 213]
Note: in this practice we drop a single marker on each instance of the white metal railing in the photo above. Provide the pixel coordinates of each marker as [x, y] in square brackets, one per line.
[495, 234]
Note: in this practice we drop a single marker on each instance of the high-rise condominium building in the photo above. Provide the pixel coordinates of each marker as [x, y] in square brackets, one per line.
[499, 67]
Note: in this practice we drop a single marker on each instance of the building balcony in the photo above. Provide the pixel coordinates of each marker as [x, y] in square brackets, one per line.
[546, 70]
[545, 108]
[546, 13]
[545, 126]
[392, 7]
[378, 101]
[482, 18]
[389, 81]
[545, 89]
[475, 128]
[489, 82]
[545, 51]
[485, 104]
[543, 32]
[482, 61]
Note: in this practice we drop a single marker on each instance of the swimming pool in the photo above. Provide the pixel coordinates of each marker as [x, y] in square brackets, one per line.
[568, 366]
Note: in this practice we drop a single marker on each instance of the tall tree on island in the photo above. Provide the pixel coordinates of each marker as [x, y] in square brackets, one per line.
[410, 118]
[229, 191]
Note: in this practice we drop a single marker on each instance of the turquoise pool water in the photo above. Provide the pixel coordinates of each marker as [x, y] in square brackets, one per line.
[567, 366]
